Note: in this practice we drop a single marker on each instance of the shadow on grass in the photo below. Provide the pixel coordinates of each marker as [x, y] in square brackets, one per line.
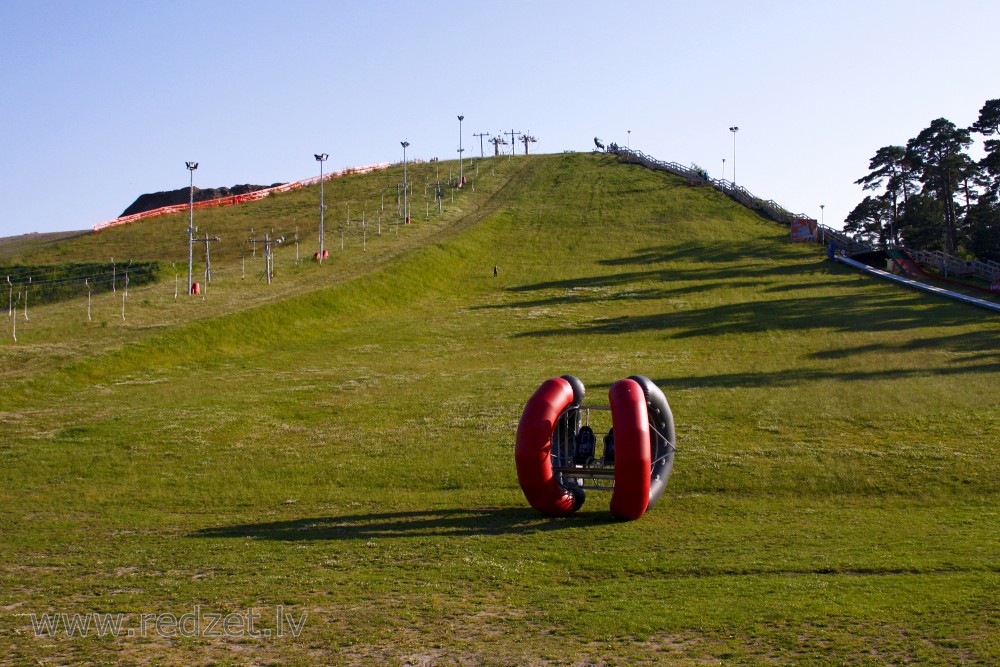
[727, 265]
[665, 275]
[878, 312]
[976, 346]
[792, 378]
[423, 523]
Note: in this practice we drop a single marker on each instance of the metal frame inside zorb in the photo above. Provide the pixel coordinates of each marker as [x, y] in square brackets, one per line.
[601, 475]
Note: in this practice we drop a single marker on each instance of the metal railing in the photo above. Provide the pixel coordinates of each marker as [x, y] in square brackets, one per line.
[949, 266]
[767, 207]
[841, 241]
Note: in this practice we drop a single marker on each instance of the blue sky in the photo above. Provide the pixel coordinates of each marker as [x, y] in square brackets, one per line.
[103, 101]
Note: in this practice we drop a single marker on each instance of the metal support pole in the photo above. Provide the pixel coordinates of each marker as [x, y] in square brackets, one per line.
[406, 211]
[321, 158]
[734, 129]
[191, 167]
[461, 173]
[481, 135]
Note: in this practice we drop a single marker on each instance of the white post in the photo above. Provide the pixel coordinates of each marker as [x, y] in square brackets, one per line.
[124, 295]
[208, 263]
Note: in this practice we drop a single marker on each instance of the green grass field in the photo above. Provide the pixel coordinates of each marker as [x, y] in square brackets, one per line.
[338, 446]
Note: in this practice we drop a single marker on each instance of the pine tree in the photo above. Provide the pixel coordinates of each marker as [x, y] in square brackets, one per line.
[890, 169]
[988, 125]
[939, 159]
[868, 221]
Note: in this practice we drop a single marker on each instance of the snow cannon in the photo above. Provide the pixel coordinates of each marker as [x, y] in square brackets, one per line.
[557, 454]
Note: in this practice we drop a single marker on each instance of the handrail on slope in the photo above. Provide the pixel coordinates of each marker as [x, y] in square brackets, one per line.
[767, 207]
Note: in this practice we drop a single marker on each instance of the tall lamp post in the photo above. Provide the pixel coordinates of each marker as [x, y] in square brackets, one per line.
[734, 129]
[191, 167]
[321, 158]
[628, 141]
[406, 212]
[723, 171]
[461, 174]
[822, 218]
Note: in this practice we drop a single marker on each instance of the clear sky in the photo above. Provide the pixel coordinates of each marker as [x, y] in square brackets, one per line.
[101, 101]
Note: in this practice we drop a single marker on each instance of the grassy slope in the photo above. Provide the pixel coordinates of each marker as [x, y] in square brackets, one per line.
[19, 246]
[347, 451]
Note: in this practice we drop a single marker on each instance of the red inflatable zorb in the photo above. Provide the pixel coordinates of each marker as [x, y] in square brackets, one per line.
[557, 452]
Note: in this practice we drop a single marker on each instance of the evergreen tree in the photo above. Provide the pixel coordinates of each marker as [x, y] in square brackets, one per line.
[988, 125]
[939, 159]
[868, 221]
[890, 169]
[983, 230]
[920, 223]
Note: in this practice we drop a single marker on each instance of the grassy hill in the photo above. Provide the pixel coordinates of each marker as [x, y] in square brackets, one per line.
[338, 445]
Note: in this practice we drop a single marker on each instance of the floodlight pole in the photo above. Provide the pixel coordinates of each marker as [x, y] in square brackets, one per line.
[821, 214]
[734, 129]
[406, 211]
[461, 173]
[628, 141]
[321, 158]
[723, 171]
[191, 167]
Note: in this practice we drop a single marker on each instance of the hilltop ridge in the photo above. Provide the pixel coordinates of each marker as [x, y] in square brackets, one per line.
[154, 200]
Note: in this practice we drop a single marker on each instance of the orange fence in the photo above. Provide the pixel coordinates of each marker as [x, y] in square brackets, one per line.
[236, 199]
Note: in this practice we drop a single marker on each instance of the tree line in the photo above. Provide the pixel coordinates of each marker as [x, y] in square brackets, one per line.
[931, 195]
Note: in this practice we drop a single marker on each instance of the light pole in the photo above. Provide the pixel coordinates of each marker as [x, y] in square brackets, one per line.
[628, 142]
[723, 170]
[461, 174]
[191, 167]
[406, 213]
[321, 158]
[822, 218]
[734, 129]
